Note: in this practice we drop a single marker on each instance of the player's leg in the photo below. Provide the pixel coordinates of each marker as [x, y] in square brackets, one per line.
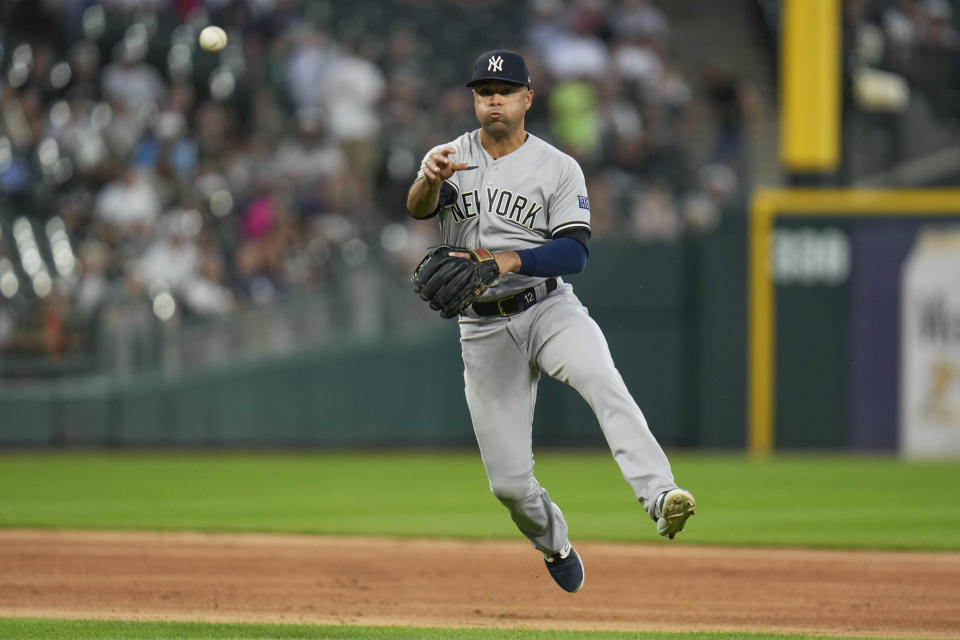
[501, 388]
[573, 349]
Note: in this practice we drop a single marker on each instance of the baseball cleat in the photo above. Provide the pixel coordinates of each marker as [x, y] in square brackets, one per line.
[672, 510]
[566, 568]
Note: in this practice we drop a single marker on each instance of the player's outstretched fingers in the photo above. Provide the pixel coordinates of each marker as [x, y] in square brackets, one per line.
[441, 165]
[447, 161]
[439, 162]
[430, 171]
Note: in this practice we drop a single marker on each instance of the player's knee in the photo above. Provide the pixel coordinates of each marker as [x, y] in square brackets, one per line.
[511, 491]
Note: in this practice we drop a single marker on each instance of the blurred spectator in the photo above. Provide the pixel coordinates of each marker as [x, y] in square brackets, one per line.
[940, 31]
[655, 215]
[129, 81]
[638, 19]
[638, 63]
[175, 262]
[703, 209]
[575, 49]
[672, 96]
[902, 23]
[261, 257]
[93, 286]
[354, 88]
[84, 60]
[306, 161]
[736, 108]
[573, 112]
[618, 116]
[127, 207]
[308, 63]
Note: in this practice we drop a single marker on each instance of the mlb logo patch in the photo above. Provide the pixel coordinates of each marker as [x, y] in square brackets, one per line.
[584, 202]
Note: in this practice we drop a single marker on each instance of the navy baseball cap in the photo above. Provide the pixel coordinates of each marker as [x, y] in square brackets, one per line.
[500, 64]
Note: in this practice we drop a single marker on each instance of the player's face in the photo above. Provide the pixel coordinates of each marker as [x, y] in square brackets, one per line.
[501, 106]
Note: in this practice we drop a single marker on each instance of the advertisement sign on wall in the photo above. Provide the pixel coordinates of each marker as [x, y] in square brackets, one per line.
[930, 367]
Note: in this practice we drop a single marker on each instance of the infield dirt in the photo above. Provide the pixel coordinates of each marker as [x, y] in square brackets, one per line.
[418, 582]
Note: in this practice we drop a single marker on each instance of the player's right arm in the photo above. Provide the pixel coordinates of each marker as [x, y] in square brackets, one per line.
[424, 195]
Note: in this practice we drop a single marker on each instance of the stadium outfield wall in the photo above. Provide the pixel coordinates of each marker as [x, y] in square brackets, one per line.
[822, 290]
[673, 313]
[816, 367]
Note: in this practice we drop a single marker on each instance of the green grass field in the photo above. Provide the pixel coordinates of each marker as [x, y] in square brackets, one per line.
[822, 500]
[816, 500]
[37, 629]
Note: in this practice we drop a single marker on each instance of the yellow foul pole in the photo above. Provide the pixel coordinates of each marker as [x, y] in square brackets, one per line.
[810, 49]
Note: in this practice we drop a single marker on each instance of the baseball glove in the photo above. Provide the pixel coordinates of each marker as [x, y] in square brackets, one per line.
[450, 283]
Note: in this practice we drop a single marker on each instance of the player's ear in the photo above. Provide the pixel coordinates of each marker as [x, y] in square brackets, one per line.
[529, 98]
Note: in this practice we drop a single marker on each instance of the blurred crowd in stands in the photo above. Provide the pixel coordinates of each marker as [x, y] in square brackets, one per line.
[135, 166]
[917, 39]
[901, 66]
[901, 89]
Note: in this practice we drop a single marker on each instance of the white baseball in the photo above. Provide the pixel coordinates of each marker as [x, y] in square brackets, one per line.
[213, 39]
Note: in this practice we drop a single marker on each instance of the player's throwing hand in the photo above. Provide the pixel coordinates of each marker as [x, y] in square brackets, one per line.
[438, 166]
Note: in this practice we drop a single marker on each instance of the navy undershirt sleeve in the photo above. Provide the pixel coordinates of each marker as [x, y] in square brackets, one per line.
[558, 257]
[448, 195]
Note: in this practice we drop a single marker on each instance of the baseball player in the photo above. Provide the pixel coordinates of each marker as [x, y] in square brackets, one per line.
[518, 207]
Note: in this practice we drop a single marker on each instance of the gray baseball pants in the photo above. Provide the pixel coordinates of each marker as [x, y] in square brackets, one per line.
[503, 358]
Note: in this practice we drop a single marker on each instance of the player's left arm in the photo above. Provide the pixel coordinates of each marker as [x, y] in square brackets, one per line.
[565, 254]
[569, 217]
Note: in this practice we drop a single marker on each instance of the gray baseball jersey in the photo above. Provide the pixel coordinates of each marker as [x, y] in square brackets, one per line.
[519, 201]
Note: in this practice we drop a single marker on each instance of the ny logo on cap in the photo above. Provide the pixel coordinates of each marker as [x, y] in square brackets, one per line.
[495, 64]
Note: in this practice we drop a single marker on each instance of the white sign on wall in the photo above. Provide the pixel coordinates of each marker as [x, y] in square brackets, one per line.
[930, 347]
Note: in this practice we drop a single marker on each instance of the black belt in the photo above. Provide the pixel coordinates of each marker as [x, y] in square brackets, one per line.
[516, 303]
